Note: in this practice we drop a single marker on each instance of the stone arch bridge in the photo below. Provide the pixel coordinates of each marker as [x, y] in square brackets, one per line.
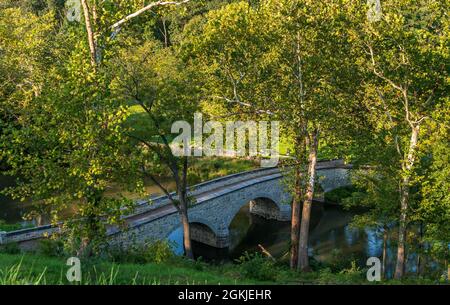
[216, 204]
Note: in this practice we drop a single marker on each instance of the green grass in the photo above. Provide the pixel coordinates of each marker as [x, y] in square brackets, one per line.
[37, 269]
[41, 270]
[7, 227]
[207, 168]
[142, 127]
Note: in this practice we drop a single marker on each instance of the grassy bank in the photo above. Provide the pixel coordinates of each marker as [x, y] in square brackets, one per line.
[38, 269]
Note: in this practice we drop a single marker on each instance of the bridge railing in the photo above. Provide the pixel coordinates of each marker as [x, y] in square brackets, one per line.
[145, 205]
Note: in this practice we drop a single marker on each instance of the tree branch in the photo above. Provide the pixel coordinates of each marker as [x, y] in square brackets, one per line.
[90, 33]
[380, 74]
[162, 188]
[242, 103]
[116, 26]
[397, 145]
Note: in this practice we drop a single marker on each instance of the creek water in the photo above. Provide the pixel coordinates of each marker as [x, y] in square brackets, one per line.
[332, 239]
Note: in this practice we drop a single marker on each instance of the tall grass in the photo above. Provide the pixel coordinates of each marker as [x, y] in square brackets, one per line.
[14, 275]
[29, 269]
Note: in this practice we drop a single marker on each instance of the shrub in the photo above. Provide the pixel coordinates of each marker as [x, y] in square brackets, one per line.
[158, 252]
[51, 247]
[153, 252]
[10, 248]
[352, 275]
[338, 261]
[340, 193]
[257, 267]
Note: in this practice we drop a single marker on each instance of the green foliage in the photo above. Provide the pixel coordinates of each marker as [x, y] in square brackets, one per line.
[345, 277]
[434, 207]
[341, 264]
[213, 167]
[14, 276]
[34, 269]
[10, 248]
[402, 57]
[257, 267]
[337, 195]
[9, 227]
[51, 248]
[378, 193]
[26, 56]
[69, 127]
[159, 251]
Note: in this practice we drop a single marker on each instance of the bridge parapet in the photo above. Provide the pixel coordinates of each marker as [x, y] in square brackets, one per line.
[145, 205]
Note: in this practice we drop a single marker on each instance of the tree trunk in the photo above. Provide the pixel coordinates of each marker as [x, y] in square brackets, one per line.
[186, 227]
[90, 33]
[420, 260]
[385, 238]
[295, 219]
[404, 203]
[92, 226]
[400, 266]
[448, 269]
[306, 212]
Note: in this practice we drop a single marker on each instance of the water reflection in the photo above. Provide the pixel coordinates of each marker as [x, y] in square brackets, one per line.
[176, 241]
[351, 235]
[331, 238]
[374, 243]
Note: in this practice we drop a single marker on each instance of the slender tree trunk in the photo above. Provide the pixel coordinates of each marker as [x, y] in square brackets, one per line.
[166, 38]
[184, 202]
[448, 269]
[92, 225]
[400, 266]
[90, 33]
[404, 204]
[420, 260]
[295, 219]
[385, 238]
[186, 229]
[306, 212]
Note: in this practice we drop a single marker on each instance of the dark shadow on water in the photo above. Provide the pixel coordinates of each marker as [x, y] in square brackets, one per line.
[332, 240]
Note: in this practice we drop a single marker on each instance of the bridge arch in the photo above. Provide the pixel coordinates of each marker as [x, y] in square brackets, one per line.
[204, 231]
[265, 207]
[268, 203]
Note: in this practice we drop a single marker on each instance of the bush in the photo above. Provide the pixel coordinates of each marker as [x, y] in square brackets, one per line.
[51, 247]
[158, 252]
[257, 267]
[340, 193]
[352, 275]
[154, 252]
[197, 265]
[10, 248]
[339, 262]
